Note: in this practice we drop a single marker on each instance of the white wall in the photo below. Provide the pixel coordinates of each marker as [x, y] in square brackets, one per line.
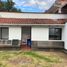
[14, 33]
[32, 15]
[64, 35]
[40, 33]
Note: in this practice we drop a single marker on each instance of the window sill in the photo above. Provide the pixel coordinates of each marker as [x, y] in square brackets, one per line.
[57, 40]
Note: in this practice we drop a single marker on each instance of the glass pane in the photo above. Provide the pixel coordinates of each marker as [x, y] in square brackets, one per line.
[0, 33]
[4, 33]
[55, 33]
[51, 31]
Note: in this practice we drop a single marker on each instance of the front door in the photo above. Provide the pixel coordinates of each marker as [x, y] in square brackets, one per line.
[26, 36]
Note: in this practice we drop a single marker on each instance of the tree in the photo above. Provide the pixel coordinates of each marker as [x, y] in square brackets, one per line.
[8, 6]
[1, 5]
[15, 10]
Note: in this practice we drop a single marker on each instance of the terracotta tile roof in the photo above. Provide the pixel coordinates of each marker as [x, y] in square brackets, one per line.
[30, 21]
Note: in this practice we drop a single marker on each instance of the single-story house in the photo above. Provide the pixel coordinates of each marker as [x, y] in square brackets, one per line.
[41, 30]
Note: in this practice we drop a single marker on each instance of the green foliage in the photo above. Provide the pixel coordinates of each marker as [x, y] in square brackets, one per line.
[8, 6]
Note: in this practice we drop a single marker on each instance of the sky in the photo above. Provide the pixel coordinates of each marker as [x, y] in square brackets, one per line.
[33, 5]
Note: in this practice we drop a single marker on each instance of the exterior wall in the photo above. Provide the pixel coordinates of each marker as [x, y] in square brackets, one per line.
[40, 39]
[32, 15]
[14, 33]
[40, 33]
[47, 44]
[64, 36]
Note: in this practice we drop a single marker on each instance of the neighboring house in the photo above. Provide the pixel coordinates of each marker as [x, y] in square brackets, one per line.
[60, 6]
[44, 30]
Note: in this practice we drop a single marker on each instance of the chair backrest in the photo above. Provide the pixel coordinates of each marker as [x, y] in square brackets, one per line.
[15, 42]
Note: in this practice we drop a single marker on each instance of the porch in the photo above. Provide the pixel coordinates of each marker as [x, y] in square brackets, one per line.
[9, 44]
[15, 37]
[31, 37]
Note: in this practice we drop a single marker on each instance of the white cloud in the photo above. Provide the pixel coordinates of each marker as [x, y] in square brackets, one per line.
[41, 4]
[34, 2]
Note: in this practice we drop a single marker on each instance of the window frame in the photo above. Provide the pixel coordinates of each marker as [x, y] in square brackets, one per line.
[55, 36]
[2, 28]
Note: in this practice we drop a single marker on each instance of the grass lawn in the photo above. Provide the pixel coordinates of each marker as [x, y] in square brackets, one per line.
[32, 59]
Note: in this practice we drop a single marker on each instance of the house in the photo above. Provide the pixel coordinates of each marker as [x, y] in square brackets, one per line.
[60, 6]
[44, 30]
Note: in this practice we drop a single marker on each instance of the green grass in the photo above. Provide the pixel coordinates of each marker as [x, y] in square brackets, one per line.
[5, 55]
[7, 59]
[45, 58]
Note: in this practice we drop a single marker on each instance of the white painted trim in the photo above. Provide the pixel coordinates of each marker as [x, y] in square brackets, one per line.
[33, 24]
[33, 16]
[64, 35]
[55, 40]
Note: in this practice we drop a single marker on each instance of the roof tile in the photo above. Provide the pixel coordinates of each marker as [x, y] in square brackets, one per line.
[30, 21]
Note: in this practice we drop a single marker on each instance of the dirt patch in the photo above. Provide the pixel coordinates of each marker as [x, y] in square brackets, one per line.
[22, 60]
[32, 59]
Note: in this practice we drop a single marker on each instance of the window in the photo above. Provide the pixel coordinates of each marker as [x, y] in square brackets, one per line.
[3, 33]
[55, 33]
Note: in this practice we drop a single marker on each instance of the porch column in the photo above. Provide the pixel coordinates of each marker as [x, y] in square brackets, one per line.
[64, 36]
[14, 33]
